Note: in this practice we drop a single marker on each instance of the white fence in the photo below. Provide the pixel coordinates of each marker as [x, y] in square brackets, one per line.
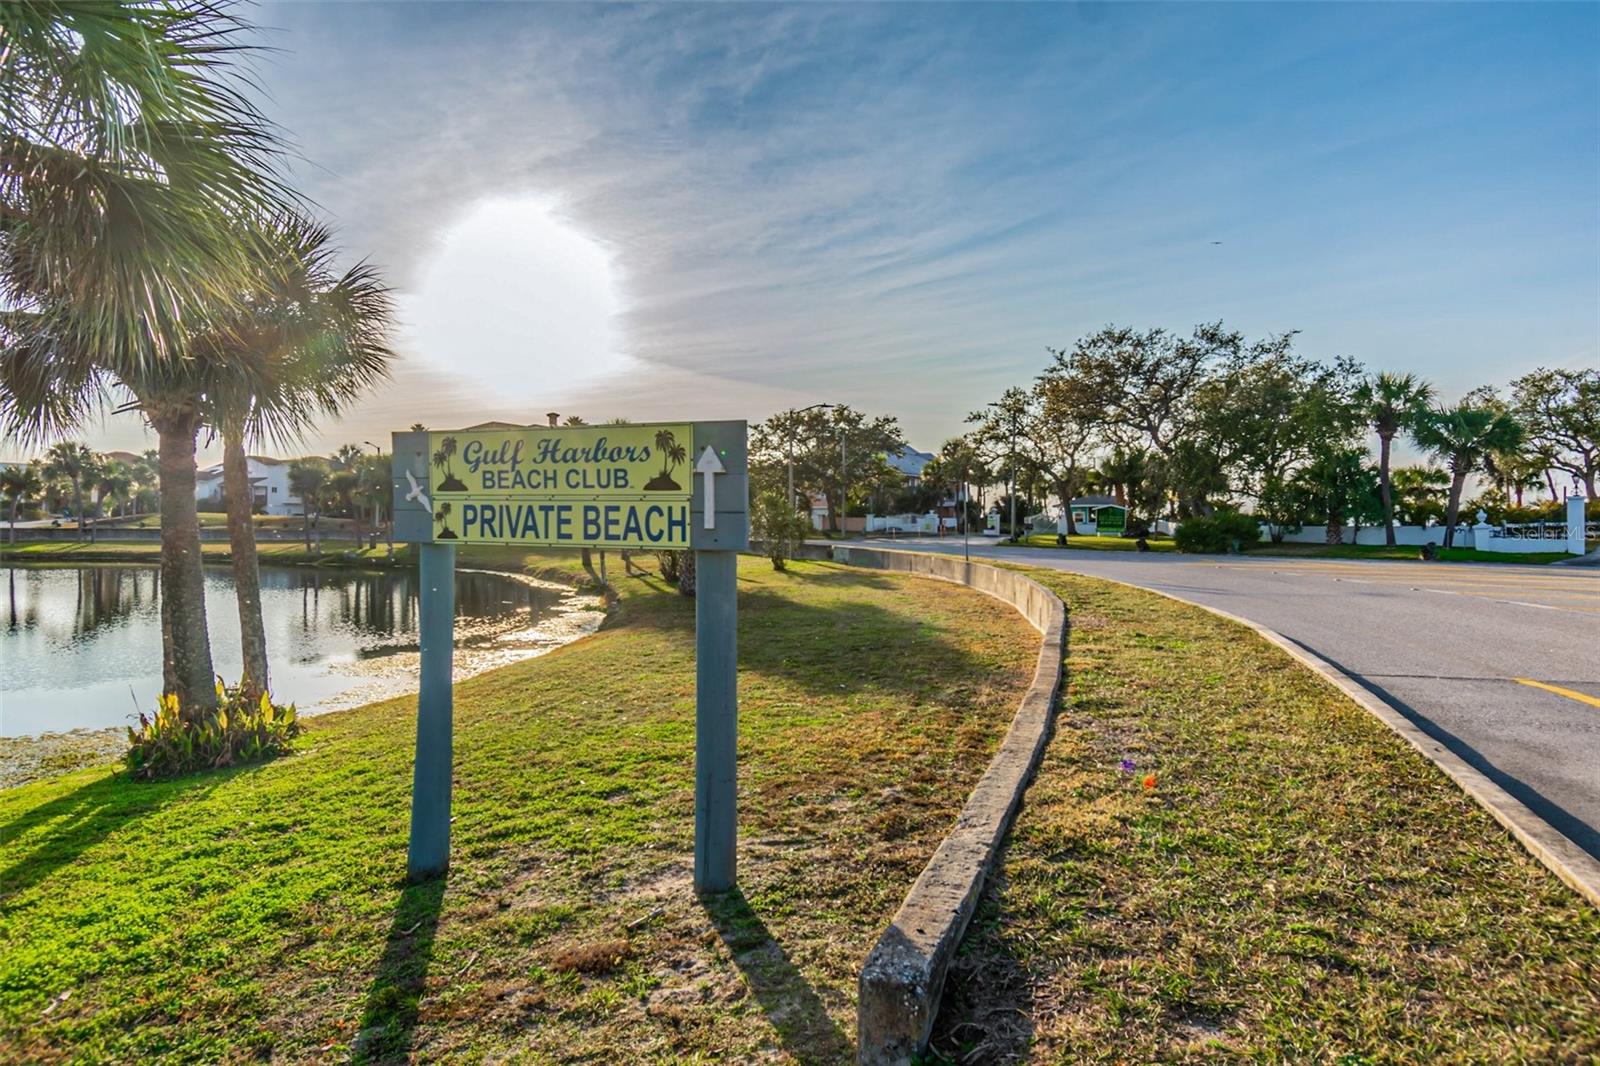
[1528, 537]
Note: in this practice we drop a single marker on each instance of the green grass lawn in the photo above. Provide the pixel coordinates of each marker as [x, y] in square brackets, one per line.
[260, 912]
[1299, 885]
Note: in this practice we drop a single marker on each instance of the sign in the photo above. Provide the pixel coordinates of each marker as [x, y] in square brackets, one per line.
[639, 487]
[1110, 519]
[664, 486]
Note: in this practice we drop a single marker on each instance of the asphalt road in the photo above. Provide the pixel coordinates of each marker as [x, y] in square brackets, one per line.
[1459, 648]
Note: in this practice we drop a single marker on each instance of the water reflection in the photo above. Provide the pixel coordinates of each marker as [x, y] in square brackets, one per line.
[82, 645]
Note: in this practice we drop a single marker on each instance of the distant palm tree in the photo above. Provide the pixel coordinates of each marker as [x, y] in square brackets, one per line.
[113, 482]
[1463, 436]
[1391, 403]
[307, 479]
[17, 483]
[418, 427]
[73, 462]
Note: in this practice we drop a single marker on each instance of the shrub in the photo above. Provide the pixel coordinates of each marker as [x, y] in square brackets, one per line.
[240, 730]
[1222, 532]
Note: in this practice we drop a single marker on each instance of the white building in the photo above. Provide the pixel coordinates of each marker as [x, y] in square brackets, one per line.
[268, 477]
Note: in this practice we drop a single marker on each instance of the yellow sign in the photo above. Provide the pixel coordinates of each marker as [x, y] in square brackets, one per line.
[626, 486]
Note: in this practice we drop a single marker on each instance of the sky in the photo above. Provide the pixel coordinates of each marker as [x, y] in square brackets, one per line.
[720, 211]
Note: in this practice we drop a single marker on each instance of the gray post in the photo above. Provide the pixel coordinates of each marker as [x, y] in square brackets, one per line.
[1577, 524]
[716, 720]
[429, 853]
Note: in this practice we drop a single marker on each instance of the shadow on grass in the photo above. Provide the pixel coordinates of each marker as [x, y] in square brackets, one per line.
[797, 1015]
[850, 646]
[76, 821]
[986, 1009]
[389, 1020]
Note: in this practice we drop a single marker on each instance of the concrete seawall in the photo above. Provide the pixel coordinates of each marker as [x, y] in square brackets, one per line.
[904, 974]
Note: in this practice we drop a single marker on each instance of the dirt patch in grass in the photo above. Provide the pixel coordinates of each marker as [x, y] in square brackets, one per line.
[259, 913]
[1300, 885]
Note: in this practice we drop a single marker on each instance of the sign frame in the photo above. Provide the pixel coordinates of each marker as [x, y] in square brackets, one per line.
[718, 521]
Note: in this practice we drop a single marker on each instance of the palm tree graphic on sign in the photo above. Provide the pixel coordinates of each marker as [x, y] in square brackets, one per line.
[672, 456]
[441, 459]
[442, 516]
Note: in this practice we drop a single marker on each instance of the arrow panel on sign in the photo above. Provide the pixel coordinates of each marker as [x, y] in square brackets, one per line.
[709, 465]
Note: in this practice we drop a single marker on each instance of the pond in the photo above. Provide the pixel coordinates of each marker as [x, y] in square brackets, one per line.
[81, 645]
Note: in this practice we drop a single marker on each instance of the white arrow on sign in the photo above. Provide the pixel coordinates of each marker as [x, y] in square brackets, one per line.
[709, 465]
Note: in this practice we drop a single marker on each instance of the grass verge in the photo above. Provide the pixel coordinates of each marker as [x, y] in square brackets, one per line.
[259, 912]
[1298, 885]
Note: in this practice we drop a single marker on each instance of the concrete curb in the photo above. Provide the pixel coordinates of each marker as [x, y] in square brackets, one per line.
[1574, 866]
[903, 976]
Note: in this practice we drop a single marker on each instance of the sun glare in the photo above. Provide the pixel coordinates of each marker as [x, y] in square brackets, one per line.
[521, 301]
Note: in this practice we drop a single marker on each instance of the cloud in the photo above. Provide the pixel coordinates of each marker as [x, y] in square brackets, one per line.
[899, 206]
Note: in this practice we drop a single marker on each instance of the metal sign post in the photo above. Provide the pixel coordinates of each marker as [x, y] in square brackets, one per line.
[669, 486]
[429, 852]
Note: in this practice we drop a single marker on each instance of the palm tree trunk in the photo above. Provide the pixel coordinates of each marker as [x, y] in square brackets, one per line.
[186, 668]
[16, 501]
[305, 520]
[246, 568]
[77, 502]
[1384, 490]
[1453, 509]
[686, 573]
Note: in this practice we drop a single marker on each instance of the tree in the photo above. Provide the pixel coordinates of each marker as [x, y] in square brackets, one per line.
[113, 481]
[1069, 419]
[128, 142]
[772, 520]
[1338, 486]
[1419, 494]
[1561, 411]
[834, 448]
[308, 479]
[17, 483]
[128, 149]
[1392, 403]
[1145, 385]
[1463, 436]
[74, 463]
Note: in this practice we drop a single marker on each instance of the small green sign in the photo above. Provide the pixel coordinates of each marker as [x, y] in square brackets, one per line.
[1111, 519]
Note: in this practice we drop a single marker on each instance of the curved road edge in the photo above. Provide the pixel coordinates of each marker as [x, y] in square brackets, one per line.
[1574, 866]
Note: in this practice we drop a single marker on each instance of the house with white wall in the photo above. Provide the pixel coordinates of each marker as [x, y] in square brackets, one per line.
[269, 478]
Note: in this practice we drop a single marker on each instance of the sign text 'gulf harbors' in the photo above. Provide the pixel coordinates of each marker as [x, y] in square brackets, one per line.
[622, 486]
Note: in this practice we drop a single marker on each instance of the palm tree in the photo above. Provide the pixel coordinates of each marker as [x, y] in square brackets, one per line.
[1464, 436]
[127, 147]
[16, 484]
[307, 479]
[72, 462]
[306, 341]
[114, 482]
[1391, 403]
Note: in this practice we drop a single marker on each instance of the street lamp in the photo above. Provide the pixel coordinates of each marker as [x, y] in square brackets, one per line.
[378, 507]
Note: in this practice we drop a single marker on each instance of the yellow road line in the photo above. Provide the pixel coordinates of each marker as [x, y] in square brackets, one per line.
[1581, 697]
